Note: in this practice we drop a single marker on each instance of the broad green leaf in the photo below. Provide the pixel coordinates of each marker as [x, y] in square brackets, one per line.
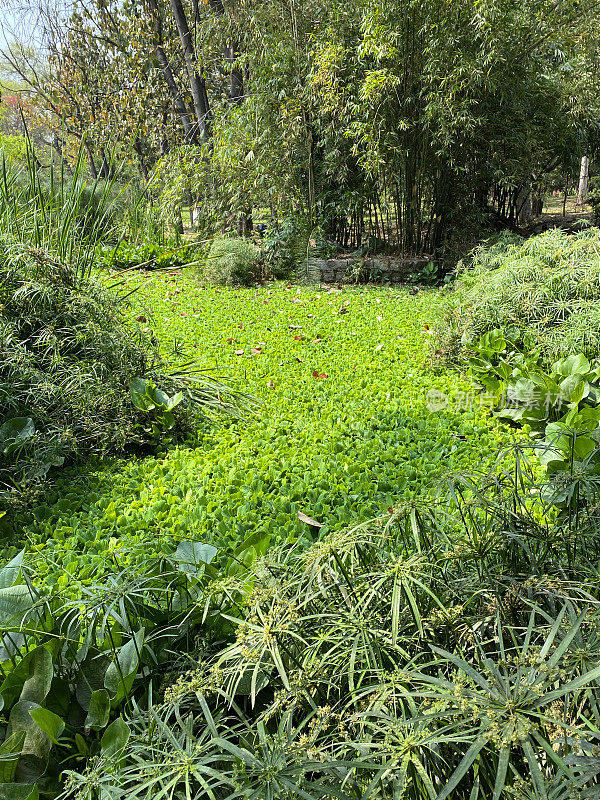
[190, 555]
[91, 676]
[10, 750]
[10, 573]
[573, 389]
[572, 365]
[121, 672]
[49, 722]
[99, 710]
[14, 432]
[41, 671]
[15, 602]
[37, 744]
[115, 738]
[19, 791]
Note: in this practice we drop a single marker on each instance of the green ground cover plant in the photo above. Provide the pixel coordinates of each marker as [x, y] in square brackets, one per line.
[444, 650]
[343, 431]
[149, 255]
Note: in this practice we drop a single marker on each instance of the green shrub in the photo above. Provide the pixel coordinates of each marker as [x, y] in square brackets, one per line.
[594, 199]
[68, 371]
[231, 262]
[72, 658]
[548, 285]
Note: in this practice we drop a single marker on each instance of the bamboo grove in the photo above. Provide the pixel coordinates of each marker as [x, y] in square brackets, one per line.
[400, 120]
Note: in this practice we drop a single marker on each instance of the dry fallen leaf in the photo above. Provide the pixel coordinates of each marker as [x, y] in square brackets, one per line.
[317, 374]
[309, 520]
[379, 347]
[271, 384]
[298, 337]
[141, 318]
[239, 352]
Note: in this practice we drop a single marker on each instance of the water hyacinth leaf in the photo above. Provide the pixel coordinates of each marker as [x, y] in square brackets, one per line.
[190, 555]
[140, 396]
[91, 676]
[572, 365]
[37, 744]
[12, 685]
[14, 432]
[19, 791]
[15, 602]
[573, 389]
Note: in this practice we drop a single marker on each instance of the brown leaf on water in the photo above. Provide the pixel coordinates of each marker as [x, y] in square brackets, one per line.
[309, 520]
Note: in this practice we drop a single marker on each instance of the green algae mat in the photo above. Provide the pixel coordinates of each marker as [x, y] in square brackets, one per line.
[354, 417]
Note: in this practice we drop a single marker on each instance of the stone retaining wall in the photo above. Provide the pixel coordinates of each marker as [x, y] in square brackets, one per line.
[377, 268]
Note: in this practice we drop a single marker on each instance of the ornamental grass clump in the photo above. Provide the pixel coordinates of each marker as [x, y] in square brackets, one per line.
[231, 262]
[547, 286]
[76, 379]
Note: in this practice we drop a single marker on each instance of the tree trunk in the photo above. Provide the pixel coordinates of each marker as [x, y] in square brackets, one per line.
[524, 205]
[91, 162]
[236, 79]
[197, 84]
[584, 179]
[178, 103]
